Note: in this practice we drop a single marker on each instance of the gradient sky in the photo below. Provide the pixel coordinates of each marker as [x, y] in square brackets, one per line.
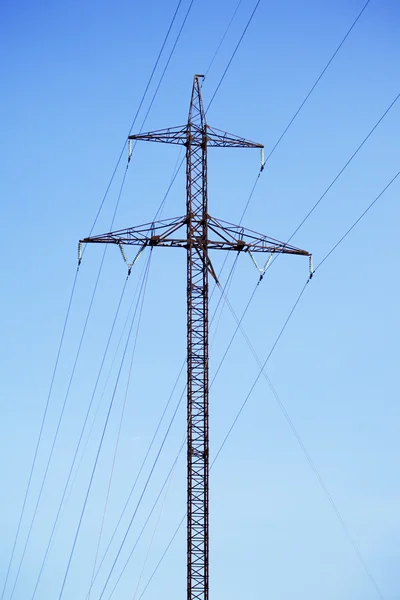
[73, 75]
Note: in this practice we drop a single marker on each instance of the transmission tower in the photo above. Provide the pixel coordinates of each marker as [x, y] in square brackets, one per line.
[198, 233]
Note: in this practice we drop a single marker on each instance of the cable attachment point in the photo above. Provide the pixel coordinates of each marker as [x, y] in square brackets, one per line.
[262, 160]
[79, 253]
[130, 264]
[129, 150]
[264, 268]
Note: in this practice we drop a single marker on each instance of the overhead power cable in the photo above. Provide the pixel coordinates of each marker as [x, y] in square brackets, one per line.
[55, 437]
[145, 92]
[144, 282]
[286, 414]
[140, 471]
[155, 434]
[162, 556]
[165, 483]
[342, 170]
[379, 121]
[302, 291]
[215, 92]
[96, 218]
[139, 501]
[136, 115]
[118, 434]
[88, 437]
[344, 236]
[302, 104]
[296, 114]
[44, 419]
[222, 39]
[166, 66]
[295, 432]
[233, 54]
[224, 74]
[134, 486]
[28, 487]
[57, 517]
[152, 102]
[298, 298]
[274, 147]
[154, 531]
[281, 405]
[141, 102]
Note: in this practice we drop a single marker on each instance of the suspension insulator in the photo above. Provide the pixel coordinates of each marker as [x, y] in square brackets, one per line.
[123, 252]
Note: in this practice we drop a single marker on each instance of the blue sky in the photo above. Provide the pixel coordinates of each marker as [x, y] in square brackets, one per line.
[73, 75]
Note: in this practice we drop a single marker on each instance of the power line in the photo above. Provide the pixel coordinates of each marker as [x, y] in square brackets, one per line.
[163, 556]
[67, 392]
[281, 405]
[102, 394]
[317, 81]
[344, 236]
[28, 487]
[290, 123]
[233, 54]
[141, 468]
[214, 94]
[118, 435]
[229, 431]
[100, 444]
[223, 38]
[277, 340]
[137, 113]
[307, 96]
[291, 424]
[345, 165]
[56, 432]
[166, 482]
[140, 500]
[151, 541]
[283, 408]
[152, 101]
[226, 287]
[166, 65]
[56, 520]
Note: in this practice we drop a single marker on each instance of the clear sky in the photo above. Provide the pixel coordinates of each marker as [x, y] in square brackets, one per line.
[73, 75]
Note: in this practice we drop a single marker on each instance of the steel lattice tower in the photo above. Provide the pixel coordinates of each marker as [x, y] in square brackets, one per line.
[203, 233]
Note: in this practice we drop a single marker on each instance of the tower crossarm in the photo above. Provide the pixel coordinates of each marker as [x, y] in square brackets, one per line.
[222, 139]
[170, 135]
[235, 237]
[172, 233]
[197, 134]
[157, 233]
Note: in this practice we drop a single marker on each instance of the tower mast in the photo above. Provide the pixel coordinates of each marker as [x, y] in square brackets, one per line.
[197, 350]
[197, 136]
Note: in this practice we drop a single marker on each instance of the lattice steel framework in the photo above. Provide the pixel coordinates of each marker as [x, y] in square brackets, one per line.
[197, 136]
